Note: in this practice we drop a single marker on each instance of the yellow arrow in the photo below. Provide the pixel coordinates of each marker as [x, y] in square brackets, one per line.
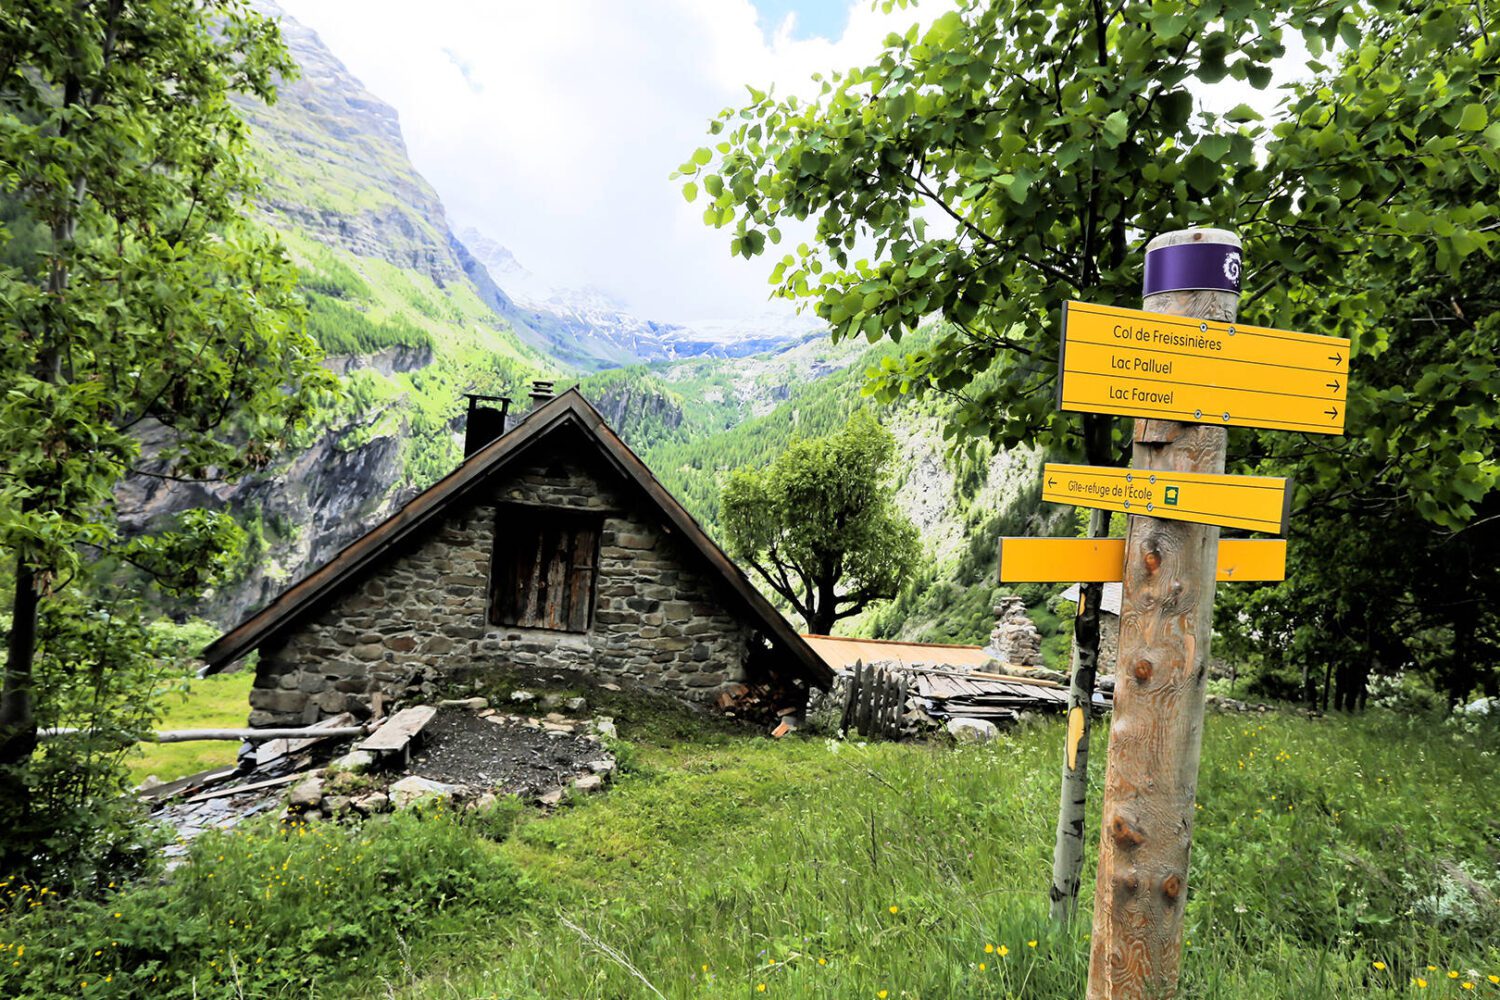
[1102, 560]
[1254, 503]
[1142, 364]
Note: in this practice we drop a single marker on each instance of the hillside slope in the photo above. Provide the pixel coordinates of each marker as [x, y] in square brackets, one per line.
[405, 312]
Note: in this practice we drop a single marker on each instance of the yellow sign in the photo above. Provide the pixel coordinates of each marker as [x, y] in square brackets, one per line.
[1102, 560]
[1254, 503]
[1143, 364]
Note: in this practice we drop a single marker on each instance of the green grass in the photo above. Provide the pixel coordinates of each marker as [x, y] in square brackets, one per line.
[220, 701]
[1322, 847]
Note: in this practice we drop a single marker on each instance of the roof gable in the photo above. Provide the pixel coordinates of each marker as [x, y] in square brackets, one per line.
[568, 410]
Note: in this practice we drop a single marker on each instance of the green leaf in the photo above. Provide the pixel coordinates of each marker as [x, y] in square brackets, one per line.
[702, 155]
[1243, 113]
[1474, 118]
[690, 191]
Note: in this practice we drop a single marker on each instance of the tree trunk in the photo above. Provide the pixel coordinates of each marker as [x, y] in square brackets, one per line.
[17, 715]
[1067, 847]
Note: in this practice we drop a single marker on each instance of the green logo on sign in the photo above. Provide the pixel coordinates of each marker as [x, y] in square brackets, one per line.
[1170, 499]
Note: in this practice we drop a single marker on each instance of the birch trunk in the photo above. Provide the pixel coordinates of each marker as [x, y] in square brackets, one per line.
[1067, 848]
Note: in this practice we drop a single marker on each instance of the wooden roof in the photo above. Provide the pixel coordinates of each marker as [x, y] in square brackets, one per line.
[568, 410]
[840, 652]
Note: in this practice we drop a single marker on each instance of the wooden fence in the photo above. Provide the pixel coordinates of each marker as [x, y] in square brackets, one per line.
[877, 700]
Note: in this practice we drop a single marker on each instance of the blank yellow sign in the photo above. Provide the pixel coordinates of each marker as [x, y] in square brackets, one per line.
[1253, 503]
[1143, 364]
[1102, 560]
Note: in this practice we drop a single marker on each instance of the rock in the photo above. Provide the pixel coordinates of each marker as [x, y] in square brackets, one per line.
[484, 802]
[553, 701]
[306, 793]
[415, 789]
[353, 762]
[604, 725]
[335, 805]
[152, 781]
[609, 687]
[472, 704]
[577, 705]
[375, 802]
[522, 697]
[554, 717]
[551, 798]
[1015, 640]
[588, 784]
[972, 730]
[602, 766]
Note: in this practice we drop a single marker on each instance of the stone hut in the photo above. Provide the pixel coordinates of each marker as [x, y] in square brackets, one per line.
[552, 547]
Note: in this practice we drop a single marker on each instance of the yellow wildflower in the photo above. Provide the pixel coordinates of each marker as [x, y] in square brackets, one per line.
[1494, 979]
[881, 994]
[1468, 985]
[895, 910]
[1452, 974]
[1379, 965]
[1031, 944]
[982, 967]
[760, 987]
[989, 949]
[822, 961]
[1421, 983]
[1003, 951]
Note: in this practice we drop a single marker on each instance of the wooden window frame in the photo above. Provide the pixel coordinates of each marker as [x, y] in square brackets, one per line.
[544, 568]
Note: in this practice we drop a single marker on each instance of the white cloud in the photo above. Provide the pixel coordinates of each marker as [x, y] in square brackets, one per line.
[553, 126]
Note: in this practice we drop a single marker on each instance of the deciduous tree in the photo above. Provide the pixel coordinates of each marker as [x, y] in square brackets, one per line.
[820, 524]
[139, 303]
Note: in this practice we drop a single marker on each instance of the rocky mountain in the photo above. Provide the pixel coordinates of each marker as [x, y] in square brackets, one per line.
[602, 332]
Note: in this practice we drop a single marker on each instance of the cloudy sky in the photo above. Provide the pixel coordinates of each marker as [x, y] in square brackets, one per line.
[552, 127]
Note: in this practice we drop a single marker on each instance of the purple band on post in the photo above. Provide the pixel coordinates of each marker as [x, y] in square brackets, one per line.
[1192, 266]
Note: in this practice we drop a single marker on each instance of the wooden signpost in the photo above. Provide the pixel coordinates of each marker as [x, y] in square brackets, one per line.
[1254, 503]
[1102, 560]
[1143, 364]
[1187, 371]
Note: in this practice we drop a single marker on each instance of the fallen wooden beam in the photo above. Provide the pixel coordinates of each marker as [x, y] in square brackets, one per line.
[241, 735]
[1009, 678]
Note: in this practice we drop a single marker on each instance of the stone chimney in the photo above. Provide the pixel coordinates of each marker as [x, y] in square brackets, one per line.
[483, 424]
[1015, 639]
[541, 391]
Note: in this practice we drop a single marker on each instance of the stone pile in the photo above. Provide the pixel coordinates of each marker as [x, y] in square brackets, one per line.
[1015, 640]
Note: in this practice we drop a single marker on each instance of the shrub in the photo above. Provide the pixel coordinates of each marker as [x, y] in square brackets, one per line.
[266, 910]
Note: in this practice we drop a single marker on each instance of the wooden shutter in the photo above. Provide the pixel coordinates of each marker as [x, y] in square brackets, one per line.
[543, 571]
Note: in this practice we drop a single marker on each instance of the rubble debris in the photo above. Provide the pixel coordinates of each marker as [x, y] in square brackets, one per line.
[475, 704]
[353, 762]
[588, 784]
[1223, 704]
[307, 793]
[464, 757]
[966, 730]
[522, 697]
[414, 790]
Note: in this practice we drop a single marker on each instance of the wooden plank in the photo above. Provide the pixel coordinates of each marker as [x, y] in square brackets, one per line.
[399, 729]
[581, 578]
[277, 748]
[220, 793]
[555, 606]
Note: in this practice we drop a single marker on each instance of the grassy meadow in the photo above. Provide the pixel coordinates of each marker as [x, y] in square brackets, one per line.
[1334, 857]
[217, 702]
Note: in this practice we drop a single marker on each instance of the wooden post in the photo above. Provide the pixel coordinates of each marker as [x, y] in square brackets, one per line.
[1166, 620]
